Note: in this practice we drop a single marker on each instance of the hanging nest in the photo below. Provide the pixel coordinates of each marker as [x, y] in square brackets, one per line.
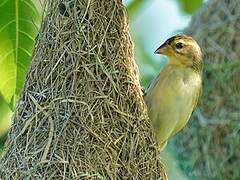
[209, 148]
[81, 114]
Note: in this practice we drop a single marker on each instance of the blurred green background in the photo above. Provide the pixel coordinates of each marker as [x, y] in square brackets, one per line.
[151, 23]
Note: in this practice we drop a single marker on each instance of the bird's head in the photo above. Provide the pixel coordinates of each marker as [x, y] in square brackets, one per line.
[182, 50]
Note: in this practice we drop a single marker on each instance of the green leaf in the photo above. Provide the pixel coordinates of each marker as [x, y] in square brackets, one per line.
[17, 33]
[190, 6]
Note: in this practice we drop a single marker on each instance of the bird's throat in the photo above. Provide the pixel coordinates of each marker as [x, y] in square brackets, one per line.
[196, 65]
[176, 62]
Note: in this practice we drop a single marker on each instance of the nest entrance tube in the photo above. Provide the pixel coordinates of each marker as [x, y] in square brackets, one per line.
[81, 114]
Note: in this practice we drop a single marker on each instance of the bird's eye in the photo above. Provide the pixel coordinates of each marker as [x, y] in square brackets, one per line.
[179, 45]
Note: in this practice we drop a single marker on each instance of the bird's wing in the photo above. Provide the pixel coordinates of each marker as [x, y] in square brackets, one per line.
[181, 125]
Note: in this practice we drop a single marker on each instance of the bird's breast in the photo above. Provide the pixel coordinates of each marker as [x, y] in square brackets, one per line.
[174, 91]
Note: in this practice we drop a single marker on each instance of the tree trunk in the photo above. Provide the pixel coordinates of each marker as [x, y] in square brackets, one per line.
[211, 144]
[81, 114]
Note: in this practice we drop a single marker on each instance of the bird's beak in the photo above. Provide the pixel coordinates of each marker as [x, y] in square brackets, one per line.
[162, 49]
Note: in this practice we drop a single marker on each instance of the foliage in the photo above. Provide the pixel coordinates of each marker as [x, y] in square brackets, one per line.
[18, 27]
[17, 33]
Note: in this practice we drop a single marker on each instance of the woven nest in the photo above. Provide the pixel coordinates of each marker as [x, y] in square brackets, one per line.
[81, 114]
[209, 148]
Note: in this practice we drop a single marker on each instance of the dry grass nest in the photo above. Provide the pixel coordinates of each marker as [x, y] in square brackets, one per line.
[81, 114]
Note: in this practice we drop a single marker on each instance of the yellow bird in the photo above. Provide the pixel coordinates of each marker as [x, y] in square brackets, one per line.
[173, 95]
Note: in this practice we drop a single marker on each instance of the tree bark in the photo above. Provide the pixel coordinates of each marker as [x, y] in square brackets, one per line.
[81, 114]
[210, 145]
